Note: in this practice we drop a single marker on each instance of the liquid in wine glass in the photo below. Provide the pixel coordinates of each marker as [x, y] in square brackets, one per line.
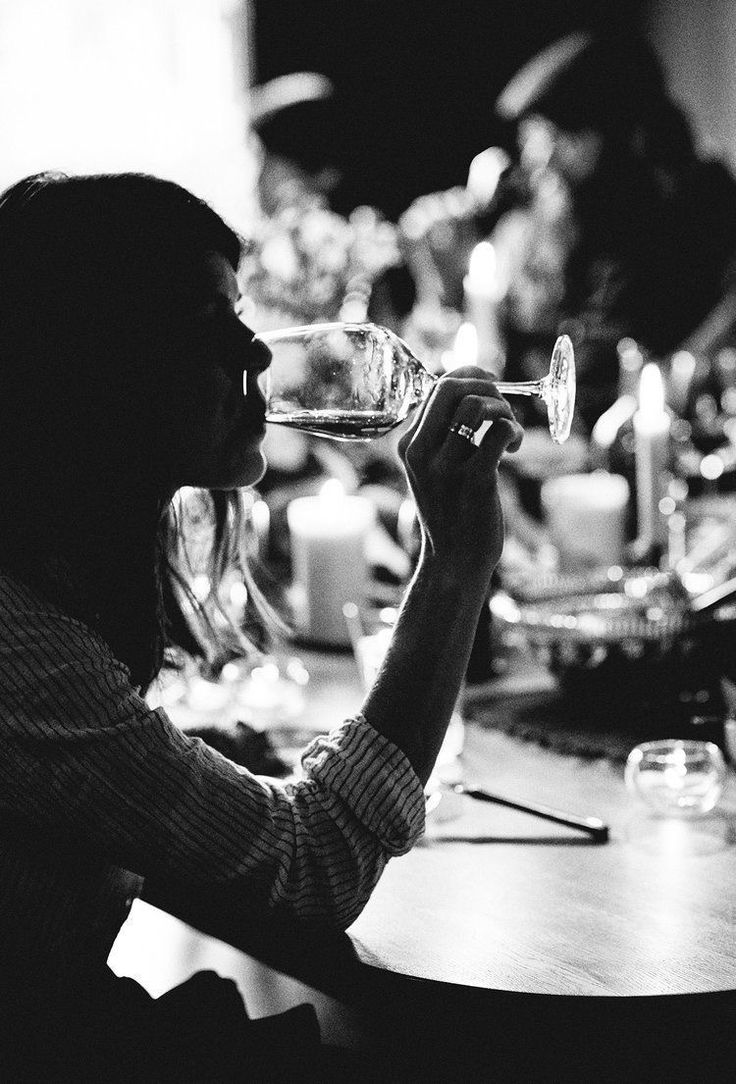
[359, 381]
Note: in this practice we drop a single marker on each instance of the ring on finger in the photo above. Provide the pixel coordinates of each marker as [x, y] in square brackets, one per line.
[465, 431]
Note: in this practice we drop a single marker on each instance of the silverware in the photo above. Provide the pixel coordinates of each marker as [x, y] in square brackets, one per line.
[592, 826]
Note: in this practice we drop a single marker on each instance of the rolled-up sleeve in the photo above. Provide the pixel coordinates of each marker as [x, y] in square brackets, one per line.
[87, 760]
[369, 774]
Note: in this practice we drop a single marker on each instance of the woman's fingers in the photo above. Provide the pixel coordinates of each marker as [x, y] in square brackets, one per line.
[504, 435]
[465, 430]
[443, 402]
[481, 422]
[463, 416]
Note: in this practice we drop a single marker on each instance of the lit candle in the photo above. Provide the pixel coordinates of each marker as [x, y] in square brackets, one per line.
[328, 539]
[484, 174]
[675, 774]
[482, 294]
[464, 349]
[652, 455]
[586, 518]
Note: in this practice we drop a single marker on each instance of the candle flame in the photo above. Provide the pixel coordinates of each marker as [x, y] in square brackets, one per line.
[676, 769]
[464, 348]
[485, 172]
[332, 490]
[482, 265]
[651, 391]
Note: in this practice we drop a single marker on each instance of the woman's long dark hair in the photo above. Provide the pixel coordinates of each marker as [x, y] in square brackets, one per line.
[95, 271]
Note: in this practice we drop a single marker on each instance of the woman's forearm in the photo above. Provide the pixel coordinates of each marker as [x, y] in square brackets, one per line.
[454, 482]
[416, 689]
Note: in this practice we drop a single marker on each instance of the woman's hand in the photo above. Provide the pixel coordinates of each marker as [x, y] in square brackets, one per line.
[453, 481]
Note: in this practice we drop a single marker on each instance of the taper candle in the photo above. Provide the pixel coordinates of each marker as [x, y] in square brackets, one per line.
[482, 295]
[652, 456]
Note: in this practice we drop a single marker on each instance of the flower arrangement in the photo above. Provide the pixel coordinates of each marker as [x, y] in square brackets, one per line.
[308, 263]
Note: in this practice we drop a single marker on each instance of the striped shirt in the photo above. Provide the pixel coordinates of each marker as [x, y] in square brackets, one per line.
[98, 792]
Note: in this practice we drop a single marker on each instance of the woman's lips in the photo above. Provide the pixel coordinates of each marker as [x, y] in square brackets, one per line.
[253, 414]
[253, 403]
[253, 387]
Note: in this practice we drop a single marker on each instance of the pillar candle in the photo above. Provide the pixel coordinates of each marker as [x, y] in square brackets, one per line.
[586, 518]
[482, 295]
[328, 536]
[652, 456]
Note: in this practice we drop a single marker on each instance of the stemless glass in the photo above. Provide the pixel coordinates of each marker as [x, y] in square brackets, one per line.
[677, 777]
[358, 381]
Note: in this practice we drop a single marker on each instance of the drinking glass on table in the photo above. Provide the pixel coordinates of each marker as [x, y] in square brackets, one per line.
[369, 647]
[677, 777]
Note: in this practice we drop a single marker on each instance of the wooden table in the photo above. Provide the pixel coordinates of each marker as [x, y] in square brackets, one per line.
[498, 899]
[499, 922]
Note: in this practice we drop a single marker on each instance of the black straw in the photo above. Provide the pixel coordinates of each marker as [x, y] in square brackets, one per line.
[592, 826]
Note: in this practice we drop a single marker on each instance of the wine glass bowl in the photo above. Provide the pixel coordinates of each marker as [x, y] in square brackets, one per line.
[340, 380]
[358, 381]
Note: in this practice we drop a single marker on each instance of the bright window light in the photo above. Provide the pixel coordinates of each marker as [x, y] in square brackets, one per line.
[108, 85]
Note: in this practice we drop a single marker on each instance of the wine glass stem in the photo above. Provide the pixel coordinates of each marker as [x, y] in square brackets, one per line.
[521, 387]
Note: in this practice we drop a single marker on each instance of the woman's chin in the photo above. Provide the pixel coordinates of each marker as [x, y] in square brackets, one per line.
[246, 468]
[237, 465]
[259, 465]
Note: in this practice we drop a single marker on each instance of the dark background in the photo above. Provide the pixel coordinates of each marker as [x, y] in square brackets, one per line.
[416, 79]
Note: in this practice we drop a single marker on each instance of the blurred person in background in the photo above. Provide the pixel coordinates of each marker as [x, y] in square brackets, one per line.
[293, 127]
[617, 228]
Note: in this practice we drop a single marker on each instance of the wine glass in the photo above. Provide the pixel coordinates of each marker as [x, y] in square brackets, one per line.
[358, 381]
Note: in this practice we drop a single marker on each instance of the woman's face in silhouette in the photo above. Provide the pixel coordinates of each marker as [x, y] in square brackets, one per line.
[216, 409]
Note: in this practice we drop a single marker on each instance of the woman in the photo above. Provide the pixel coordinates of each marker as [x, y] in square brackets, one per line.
[122, 368]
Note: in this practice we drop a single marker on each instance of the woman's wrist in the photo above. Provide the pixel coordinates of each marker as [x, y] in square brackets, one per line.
[451, 574]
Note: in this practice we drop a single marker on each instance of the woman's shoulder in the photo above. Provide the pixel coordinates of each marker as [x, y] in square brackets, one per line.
[54, 669]
[19, 596]
[31, 622]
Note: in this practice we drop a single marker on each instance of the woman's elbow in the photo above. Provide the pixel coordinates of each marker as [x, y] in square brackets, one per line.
[340, 894]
